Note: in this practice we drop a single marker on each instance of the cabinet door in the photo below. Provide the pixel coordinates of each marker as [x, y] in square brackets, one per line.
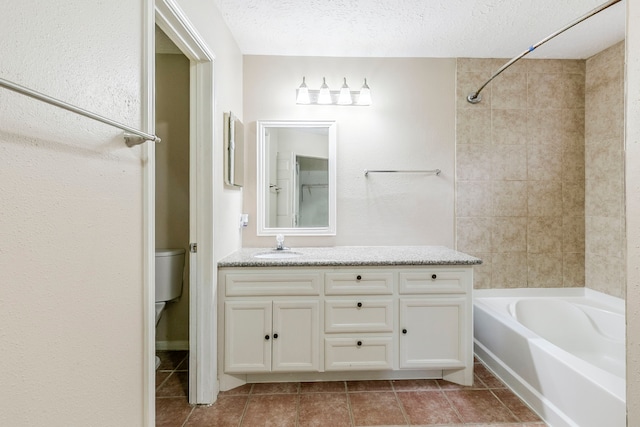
[296, 326]
[433, 332]
[247, 336]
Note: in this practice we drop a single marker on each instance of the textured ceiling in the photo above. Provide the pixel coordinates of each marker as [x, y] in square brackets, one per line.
[420, 28]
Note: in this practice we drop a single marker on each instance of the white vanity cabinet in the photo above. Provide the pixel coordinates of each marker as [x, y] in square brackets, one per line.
[271, 320]
[345, 322]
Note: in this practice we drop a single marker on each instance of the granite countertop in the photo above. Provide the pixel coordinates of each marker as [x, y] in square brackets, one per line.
[351, 256]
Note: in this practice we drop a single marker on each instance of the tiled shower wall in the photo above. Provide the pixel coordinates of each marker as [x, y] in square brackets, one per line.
[520, 172]
[604, 166]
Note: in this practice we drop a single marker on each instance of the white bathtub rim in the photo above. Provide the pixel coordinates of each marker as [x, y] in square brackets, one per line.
[543, 407]
[597, 299]
[613, 384]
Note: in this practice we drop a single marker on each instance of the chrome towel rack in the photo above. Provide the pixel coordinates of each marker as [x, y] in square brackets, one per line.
[132, 136]
[431, 171]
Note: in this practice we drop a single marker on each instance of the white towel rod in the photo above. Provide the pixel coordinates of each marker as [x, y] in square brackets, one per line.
[433, 171]
[132, 136]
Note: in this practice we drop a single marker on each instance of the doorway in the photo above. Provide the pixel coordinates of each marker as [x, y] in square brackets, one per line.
[172, 22]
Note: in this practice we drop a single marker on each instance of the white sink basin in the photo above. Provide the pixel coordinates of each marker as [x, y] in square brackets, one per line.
[278, 255]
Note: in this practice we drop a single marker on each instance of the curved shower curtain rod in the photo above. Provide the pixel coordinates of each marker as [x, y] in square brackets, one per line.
[475, 97]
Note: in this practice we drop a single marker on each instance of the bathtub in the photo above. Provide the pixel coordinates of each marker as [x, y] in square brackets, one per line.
[561, 350]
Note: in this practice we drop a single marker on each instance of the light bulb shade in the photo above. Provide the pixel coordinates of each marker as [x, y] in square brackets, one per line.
[324, 97]
[365, 94]
[303, 94]
[344, 98]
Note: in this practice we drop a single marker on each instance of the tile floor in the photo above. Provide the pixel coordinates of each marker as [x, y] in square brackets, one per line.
[343, 403]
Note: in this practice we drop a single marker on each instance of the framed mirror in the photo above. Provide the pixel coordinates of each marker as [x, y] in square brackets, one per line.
[296, 178]
[233, 151]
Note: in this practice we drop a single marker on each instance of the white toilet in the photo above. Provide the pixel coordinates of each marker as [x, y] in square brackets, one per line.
[169, 273]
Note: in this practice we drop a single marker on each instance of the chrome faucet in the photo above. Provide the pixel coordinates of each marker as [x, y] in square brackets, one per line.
[280, 242]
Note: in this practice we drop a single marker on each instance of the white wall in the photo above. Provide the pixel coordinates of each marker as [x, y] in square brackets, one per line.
[71, 222]
[632, 176]
[71, 234]
[411, 125]
[227, 201]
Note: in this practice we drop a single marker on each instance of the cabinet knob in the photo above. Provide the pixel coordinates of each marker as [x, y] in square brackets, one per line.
[358, 277]
[434, 276]
[275, 336]
[404, 331]
[359, 304]
[359, 343]
[266, 337]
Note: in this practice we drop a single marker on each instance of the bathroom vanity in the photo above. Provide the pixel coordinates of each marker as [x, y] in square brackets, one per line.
[345, 313]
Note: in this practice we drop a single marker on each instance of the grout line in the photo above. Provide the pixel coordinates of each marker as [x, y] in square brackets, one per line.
[402, 410]
[193, 408]
[246, 406]
[349, 408]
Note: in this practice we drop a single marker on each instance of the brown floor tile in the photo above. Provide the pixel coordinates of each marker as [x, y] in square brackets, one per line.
[368, 386]
[170, 360]
[413, 385]
[325, 409]
[275, 388]
[171, 412]
[516, 406]
[477, 384]
[428, 407]
[376, 409]
[479, 406]
[227, 411]
[161, 376]
[487, 377]
[242, 390]
[177, 385]
[323, 387]
[271, 410]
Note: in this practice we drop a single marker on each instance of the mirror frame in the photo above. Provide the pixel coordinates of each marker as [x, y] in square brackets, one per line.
[262, 183]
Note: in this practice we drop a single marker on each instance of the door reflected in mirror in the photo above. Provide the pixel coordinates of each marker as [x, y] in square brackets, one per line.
[296, 177]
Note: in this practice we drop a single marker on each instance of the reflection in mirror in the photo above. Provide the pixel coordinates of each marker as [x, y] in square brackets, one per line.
[296, 177]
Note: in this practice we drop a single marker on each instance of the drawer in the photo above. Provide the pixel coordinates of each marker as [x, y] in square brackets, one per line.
[358, 315]
[260, 283]
[363, 353]
[436, 280]
[358, 282]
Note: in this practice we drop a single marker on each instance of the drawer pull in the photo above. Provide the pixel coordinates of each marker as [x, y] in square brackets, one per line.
[266, 337]
[358, 277]
[359, 304]
[275, 336]
[434, 276]
[359, 343]
[404, 331]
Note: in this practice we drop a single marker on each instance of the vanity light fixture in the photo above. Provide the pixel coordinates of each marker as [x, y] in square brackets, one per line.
[303, 94]
[325, 96]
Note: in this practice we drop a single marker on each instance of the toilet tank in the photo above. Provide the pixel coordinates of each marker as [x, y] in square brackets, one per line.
[169, 271]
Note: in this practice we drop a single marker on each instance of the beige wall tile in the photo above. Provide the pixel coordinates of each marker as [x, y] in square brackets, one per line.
[506, 92]
[545, 66]
[509, 270]
[509, 198]
[473, 234]
[573, 234]
[544, 162]
[544, 198]
[474, 198]
[473, 126]
[573, 164]
[575, 66]
[605, 274]
[467, 83]
[509, 126]
[544, 234]
[573, 270]
[509, 234]
[509, 162]
[544, 270]
[605, 236]
[573, 199]
[473, 162]
[474, 65]
[603, 197]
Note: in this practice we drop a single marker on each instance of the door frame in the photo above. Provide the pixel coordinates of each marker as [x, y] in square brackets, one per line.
[202, 370]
